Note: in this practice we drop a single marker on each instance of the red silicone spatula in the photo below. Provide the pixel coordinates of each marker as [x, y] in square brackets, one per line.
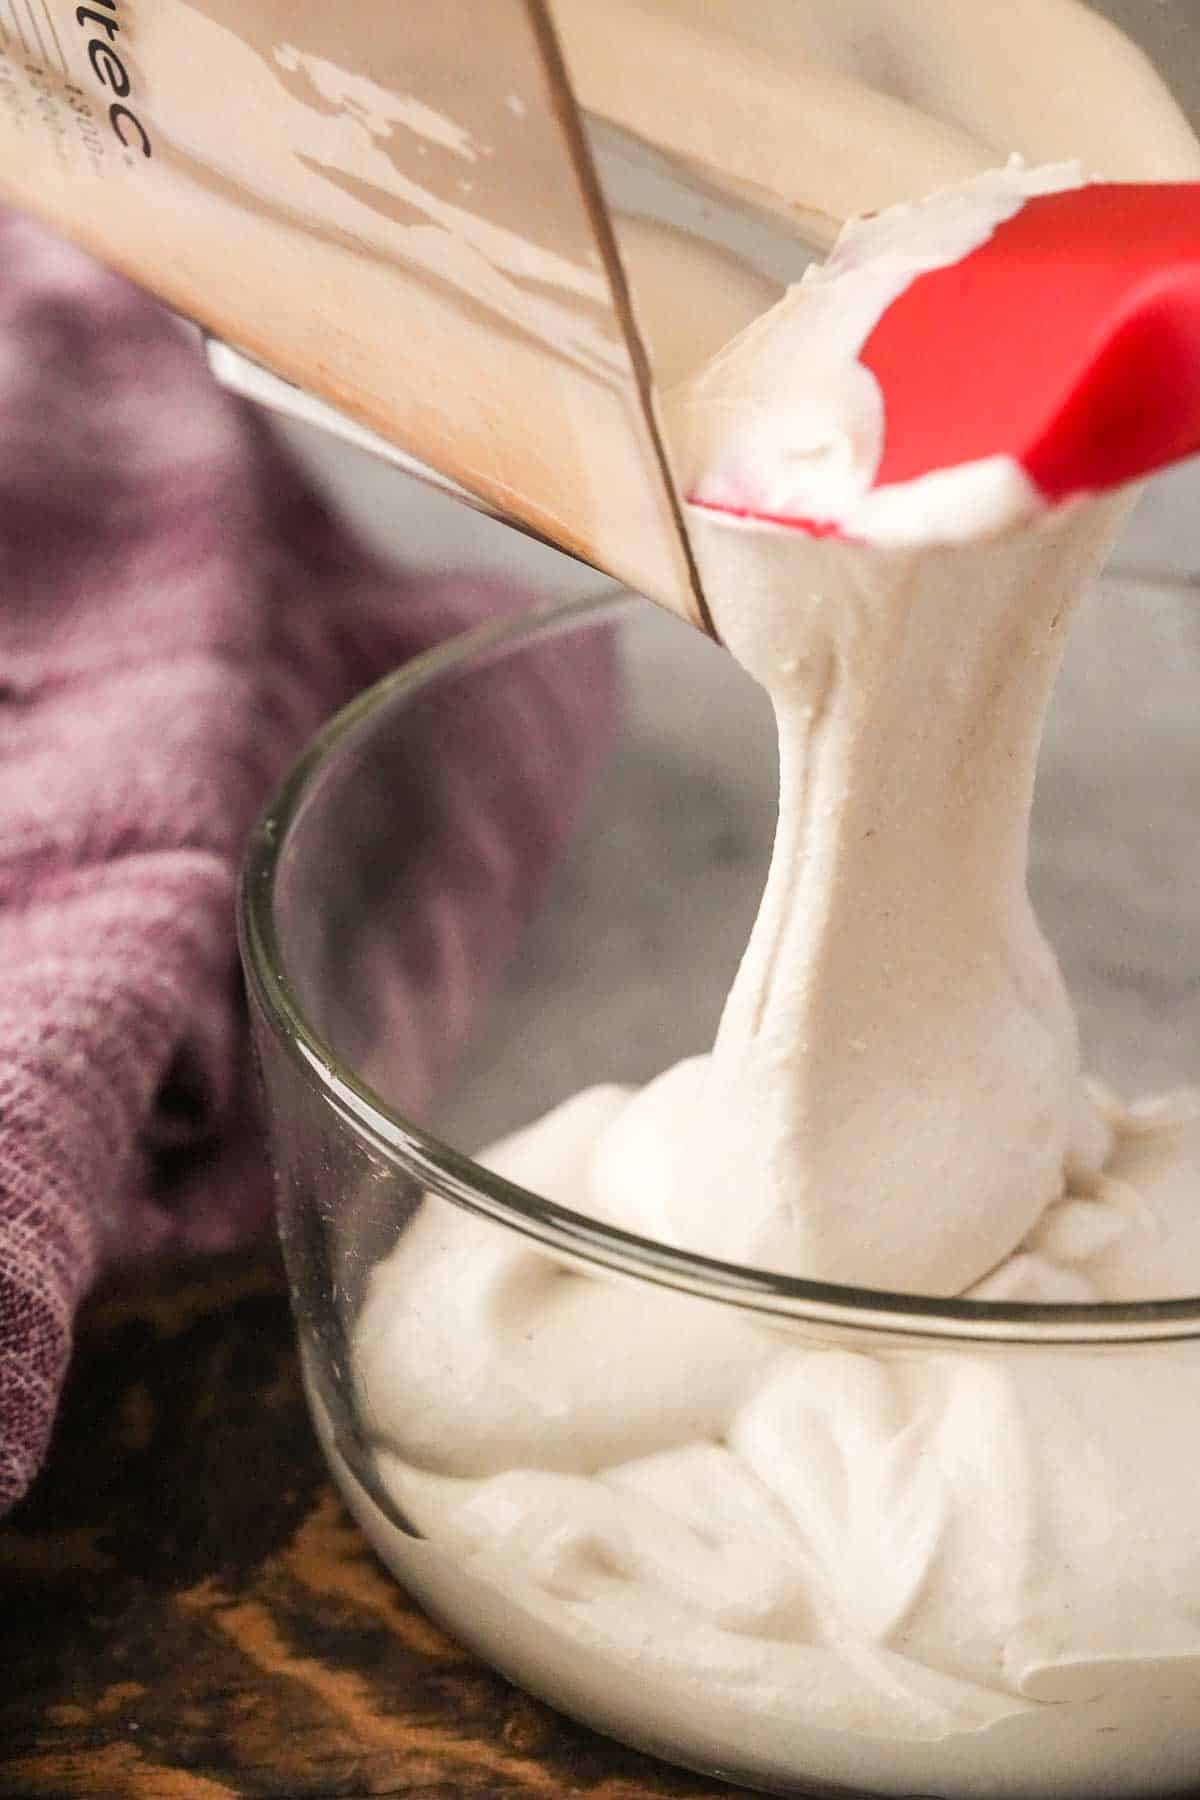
[1069, 341]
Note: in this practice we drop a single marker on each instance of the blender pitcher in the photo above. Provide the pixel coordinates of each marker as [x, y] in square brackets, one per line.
[423, 228]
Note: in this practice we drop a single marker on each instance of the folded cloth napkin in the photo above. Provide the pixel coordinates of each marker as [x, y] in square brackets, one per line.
[178, 611]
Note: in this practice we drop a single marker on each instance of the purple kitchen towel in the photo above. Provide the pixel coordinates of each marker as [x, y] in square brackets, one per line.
[178, 611]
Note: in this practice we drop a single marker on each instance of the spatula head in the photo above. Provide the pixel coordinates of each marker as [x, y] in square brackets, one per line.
[1067, 343]
[1070, 342]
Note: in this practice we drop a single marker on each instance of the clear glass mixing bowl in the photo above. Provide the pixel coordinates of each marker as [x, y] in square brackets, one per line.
[804, 1672]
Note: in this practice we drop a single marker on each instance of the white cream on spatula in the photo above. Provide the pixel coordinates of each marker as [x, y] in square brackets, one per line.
[778, 1538]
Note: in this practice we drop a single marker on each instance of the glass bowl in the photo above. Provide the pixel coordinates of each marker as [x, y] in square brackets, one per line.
[553, 1431]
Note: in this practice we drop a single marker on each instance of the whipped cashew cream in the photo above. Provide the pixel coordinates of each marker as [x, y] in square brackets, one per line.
[793, 1537]
[893, 1095]
[772, 1534]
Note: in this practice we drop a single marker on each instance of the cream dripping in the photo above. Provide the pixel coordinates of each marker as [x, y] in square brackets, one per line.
[768, 1540]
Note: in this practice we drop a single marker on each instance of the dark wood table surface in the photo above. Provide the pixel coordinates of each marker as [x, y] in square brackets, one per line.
[188, 1613]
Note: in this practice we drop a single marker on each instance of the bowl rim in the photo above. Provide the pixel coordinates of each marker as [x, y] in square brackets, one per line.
[875, 1314]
